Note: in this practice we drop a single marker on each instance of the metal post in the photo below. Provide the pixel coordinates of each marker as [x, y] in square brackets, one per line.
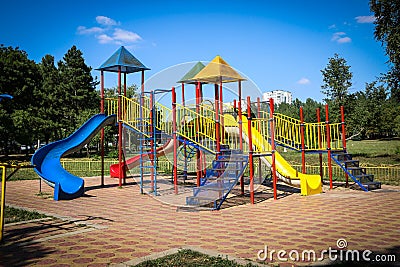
[328, 145]
[272, 130]
[221, 104]
[259, 129]
[344, 139]
[251, 167]
[102, 129]
[303, 150]
[198, 156]
[152, 135]
[174, 133]
[321, 170]
[121, 167]
[217, 122]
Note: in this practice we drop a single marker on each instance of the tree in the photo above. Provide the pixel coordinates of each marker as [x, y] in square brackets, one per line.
[19, 77]
[77, 89]
[387, 30]
[337, 81]
[49, 101]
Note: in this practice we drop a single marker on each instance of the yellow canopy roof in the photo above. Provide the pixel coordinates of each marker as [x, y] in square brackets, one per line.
[218, 71]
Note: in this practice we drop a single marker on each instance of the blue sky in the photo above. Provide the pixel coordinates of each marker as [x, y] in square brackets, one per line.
[277, 44]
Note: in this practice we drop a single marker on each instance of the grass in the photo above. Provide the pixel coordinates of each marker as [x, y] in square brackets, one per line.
[12, 215]
[190, 258]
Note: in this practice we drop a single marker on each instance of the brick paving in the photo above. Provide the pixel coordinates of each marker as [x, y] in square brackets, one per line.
[113, 225]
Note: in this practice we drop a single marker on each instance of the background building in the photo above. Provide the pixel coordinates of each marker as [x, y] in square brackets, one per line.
[279, 96]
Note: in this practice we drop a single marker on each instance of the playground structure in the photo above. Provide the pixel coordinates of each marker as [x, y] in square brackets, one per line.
[233, 138]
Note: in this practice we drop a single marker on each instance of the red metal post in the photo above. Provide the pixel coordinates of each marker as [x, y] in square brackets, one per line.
[217, 124]
[272, 130]
[198, 155]
[121, 165]
[303, 149]
[175, 139]
[251, 167]
[328, 145]
[240, 115]
[344, 139]
[102, 129]
[321, 170]
[123, 129]
[221, 104]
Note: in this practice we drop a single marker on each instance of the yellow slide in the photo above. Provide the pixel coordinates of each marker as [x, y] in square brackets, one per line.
[309, 184]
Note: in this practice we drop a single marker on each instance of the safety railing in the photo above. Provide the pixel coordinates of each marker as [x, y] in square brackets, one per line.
[288, 133]
[198, 128]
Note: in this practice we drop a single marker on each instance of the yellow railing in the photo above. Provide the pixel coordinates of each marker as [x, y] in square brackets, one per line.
[288, 133]
[196, 127]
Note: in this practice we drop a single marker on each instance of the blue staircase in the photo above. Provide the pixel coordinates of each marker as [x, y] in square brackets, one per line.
[219, 181]
[352, 167]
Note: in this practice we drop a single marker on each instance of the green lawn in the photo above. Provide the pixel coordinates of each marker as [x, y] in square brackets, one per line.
[190, 258]
[12, 215]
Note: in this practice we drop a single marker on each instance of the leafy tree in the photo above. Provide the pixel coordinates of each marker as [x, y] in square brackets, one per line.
[76, 89]
[337, 81]
[19, 77]
[387, 30]
[49, 101]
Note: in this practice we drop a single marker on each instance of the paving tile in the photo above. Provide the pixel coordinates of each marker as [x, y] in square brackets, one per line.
[127, 225]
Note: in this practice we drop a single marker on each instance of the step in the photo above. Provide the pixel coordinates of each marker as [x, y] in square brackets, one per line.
[227, 169]
[208, 187]
[357, 170]
[365, 178]
[221, 178]
[372, 185]
[354, 163]
[243, 159]
[198, 201]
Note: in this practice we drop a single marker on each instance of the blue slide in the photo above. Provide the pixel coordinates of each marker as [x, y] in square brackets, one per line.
[47, 159]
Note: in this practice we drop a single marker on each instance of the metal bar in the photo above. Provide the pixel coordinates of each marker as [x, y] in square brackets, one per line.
[175, 140]
[272, 130]
[251, 170]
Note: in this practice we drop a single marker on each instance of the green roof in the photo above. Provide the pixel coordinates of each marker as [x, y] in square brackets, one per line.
[124, 59]
[188, 78]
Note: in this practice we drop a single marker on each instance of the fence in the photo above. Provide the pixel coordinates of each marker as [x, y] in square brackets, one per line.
[86, 168]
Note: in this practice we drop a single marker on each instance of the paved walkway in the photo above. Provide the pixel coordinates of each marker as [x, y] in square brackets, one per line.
[117, 225]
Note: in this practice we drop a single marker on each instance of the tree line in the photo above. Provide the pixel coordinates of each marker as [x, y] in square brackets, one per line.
[50, 100]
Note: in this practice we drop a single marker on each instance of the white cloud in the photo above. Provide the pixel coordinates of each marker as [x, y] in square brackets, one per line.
[340, 37]
[83, 30]
[107, 33]
[333, 26]
[106, 21]
[126, 36]
[365, 19]
[104, 39]
[344, 40]
[303, 81]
